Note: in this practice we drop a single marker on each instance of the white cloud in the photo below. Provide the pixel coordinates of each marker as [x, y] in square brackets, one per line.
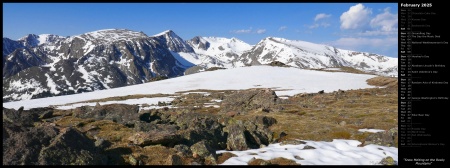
[377, 33]
[321, 16]
[386, 21]
[356, 17]
[242, 31]
[386, 46]
[317, 24]
[314, 26]
[249, 30]
[260, 31]
[324, 24]
[282, 28]
[361, 42]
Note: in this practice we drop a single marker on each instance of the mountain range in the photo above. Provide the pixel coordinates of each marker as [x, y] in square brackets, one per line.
[45, 65]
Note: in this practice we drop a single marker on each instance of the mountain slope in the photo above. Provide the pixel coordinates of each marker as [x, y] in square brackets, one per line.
[221, 49]
[37, 66]
[309, 81]
[303, 54]
[92, 61]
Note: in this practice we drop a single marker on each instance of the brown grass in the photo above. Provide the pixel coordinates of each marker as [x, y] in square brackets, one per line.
[120, 98]
[345, 69]
[282, 161]
[383, 81]
[317, 117]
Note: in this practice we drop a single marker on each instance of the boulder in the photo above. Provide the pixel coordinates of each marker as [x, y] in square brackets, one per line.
[174, 160]
[257, 162]
[145, 127]
[197, 127]
[24, 117]
[204, 150]
[71, 147]
[22, 145]
[251, 99]
[250, 134]
[154, 137]
[183, 150]
[120, 113]
[224, 157]
[386, 138]
[388, 161]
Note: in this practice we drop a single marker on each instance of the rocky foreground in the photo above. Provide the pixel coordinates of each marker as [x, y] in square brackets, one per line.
[121, 134]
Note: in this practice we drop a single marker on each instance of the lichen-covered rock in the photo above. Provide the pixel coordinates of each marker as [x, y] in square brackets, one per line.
[224, 157]
[387, 161]
[174, 160]
[24, 117]
[183, 150]
[164, 137]
[71, 147]
[101, 143]
[251, 99]
[46, 114]
[204, 150]
[277, 63]
[308, 147]
[282, 161]
[120, 113]
[21, 145]
[257, 162]
[386, 138]
[236, 139]
[145, 127]
[250, 134]
[197, 127]
[133, 161]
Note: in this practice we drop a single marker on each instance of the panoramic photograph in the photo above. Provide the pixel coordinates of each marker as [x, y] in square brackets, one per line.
[200, 83]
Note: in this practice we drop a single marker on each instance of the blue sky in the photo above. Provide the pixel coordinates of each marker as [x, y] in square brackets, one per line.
[367, 27]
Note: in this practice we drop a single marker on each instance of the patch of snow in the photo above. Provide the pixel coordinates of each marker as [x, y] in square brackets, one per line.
[211, 105]
[291, 80]
[333, 69]
[22, 86]
[86, 75]
[52, 85]
[162, 33]
[337, 152]
[139, 101]
[216, 100]
[371, 130]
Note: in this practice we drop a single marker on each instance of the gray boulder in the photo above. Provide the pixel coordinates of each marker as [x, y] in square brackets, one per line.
[22, 145]
[386, 138]
[71, 147]
[251, 134]
[120, 113]
[251, 99]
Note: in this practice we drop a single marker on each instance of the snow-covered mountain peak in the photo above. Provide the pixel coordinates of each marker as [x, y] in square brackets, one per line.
[173, 41]
[29, 36]
[34, 40]
[111, 35]
[216, 46]
[167, 32]
[304, 54]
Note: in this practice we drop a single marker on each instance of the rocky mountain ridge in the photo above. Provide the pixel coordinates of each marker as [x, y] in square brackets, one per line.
[45, 65]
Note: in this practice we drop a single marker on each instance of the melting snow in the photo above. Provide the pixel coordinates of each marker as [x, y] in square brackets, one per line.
[371, 130]
[139, 101]
[337, 152]
[51, 84]
[291, 80]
